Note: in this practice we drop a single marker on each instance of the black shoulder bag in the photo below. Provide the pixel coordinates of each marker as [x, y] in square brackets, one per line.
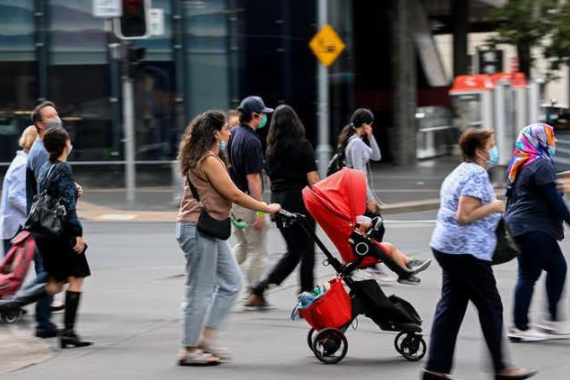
[506, 248]
[47, 214]
[221, 229]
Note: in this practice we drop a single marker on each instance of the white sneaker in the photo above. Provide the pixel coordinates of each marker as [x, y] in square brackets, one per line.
[380, 275]
[555, 327]
[530, 335]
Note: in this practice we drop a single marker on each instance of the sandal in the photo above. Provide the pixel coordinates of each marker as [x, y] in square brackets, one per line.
[220, 352]
[197, 358]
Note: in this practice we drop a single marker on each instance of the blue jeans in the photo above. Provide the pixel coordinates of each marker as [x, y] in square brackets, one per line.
[213, 281]
[7, 245]
[539, 252]
[43, 306]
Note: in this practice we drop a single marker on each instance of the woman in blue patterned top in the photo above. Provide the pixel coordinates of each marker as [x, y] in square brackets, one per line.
[63, 257]
[463, 243]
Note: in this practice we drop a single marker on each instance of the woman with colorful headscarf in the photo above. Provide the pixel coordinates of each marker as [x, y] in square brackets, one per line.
[535, 212]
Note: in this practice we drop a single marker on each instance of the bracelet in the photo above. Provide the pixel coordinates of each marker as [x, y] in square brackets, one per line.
[260, 214]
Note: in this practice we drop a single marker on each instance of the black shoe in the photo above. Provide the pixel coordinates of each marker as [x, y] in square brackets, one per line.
[409, 280]
[46, 333]
[70, 338]
[432, 376]
[521, 376]
[57, 308]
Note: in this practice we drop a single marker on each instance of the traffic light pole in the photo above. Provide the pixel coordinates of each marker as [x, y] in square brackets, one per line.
[128, 126]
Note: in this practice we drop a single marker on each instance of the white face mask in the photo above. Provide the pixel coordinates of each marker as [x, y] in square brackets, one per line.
[69, 149]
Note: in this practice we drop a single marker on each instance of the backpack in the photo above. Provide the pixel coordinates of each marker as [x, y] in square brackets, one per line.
[336, 163]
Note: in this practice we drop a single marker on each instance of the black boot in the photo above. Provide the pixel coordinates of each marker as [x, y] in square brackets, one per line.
[23, 298]
[68, 337]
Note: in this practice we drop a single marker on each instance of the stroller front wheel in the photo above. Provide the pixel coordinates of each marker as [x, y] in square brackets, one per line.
[330, 346]
[411, 346]
[310, 338]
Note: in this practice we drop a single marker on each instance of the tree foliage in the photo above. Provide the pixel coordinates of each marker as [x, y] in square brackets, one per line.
[529, 24]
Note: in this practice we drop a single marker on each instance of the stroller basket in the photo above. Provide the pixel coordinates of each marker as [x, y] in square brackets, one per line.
[332, 309]
[406, 309]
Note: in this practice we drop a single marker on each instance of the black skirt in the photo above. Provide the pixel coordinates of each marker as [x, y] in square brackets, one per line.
[60, 260]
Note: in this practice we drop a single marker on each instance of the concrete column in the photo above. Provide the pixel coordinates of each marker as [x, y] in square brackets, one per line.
[460, 27]
[403, 85]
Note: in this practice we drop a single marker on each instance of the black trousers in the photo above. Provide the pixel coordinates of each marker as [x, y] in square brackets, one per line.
[300, 247]
[465, 279]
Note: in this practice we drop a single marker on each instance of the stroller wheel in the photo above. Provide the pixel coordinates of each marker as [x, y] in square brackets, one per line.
[310, 338]
[12, 316]
[410, 346]
[330, 346]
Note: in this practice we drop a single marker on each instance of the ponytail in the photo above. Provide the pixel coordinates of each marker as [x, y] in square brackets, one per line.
[344, 135]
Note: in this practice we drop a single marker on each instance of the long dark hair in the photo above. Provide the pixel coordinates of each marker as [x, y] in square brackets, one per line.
[285, 131]
[199, 138]
[359, 117]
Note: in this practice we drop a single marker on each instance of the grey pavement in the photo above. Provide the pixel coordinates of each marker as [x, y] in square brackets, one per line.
[392, 184]
[131, 309]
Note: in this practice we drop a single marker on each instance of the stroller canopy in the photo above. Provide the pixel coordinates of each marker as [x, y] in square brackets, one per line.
[334, 203]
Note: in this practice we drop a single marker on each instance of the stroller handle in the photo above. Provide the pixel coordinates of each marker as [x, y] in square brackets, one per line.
[290, 215]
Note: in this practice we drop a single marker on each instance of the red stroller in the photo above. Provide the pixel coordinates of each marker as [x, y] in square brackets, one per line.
[334, 203]
[13, 271]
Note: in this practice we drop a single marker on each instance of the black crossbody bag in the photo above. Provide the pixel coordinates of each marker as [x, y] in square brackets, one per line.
[221, 229]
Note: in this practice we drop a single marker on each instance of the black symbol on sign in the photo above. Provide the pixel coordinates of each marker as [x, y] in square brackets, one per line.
[327, 46]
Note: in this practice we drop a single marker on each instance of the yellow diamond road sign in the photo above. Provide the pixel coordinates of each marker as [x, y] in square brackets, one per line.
[327, 45]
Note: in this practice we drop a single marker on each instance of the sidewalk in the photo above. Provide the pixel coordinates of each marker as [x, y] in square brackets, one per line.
[402, 189]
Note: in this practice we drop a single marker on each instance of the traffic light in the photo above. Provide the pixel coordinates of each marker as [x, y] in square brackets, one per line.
[134, 23]
[135, 58]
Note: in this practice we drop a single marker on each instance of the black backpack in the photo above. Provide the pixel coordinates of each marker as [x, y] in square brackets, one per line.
[336, 163]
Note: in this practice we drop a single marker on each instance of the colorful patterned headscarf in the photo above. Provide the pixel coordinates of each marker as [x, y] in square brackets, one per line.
[533, 143]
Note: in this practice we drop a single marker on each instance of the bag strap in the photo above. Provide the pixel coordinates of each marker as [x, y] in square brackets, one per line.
[193, 188]
[48, 177]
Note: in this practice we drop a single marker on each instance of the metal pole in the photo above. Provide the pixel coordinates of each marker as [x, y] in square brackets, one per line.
[323, 147]
[129, 127]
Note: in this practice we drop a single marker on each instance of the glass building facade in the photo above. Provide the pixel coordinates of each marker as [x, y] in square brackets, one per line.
[212, 54]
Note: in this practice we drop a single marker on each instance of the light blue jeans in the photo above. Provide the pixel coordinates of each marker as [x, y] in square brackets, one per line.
[213, 281]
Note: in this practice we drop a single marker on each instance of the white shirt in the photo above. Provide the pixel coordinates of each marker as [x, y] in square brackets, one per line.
[13, 204]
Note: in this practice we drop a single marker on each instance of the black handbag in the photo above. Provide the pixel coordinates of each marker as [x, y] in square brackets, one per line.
[47, 214]
[221, 229]
[506, 248]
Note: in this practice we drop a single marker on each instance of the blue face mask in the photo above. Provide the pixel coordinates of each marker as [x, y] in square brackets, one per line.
[493, 157]
[551, 151]
[223, 146]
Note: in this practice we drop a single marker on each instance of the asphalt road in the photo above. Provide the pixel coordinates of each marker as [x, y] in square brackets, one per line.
[131, 309]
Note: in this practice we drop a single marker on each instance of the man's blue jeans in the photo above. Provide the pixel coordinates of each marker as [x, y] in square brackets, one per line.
[43, 306]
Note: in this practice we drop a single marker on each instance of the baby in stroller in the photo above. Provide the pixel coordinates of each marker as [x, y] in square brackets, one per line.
[405, 267]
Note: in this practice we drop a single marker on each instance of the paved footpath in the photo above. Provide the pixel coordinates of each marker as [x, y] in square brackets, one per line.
[131, 310]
